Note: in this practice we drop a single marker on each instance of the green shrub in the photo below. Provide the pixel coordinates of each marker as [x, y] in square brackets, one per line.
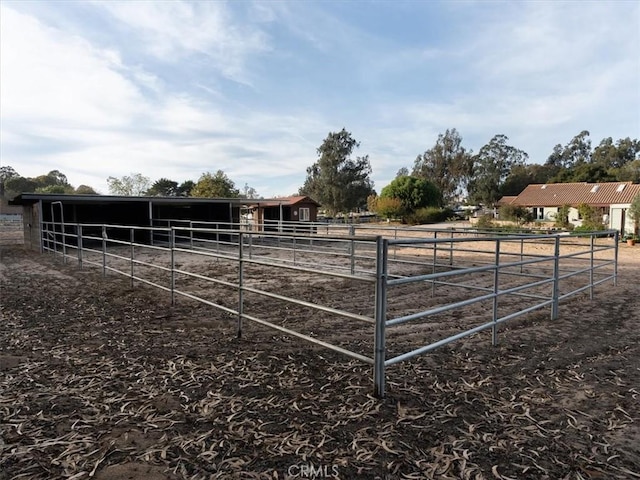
[516, 213]
[562, 218]
[485, 222]
[591, 220]
[389, 207]
[428, 215]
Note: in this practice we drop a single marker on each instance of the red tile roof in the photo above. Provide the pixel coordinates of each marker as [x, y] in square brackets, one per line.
[594, 194]
[272, 202]
[507, 200]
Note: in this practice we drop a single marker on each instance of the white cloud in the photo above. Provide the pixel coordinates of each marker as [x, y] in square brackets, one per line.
[146, 96]
[174, 30]
[48, 77]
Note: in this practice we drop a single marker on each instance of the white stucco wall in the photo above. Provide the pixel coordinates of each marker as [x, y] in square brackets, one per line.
[615, 218]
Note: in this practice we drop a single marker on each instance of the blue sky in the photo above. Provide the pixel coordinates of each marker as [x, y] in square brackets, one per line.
[174, 89]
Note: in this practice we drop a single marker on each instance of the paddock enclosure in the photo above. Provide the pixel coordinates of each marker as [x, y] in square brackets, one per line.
[400, 296]
[102, 377]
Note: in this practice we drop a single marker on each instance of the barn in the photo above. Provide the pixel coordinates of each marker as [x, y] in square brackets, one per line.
[40, 208]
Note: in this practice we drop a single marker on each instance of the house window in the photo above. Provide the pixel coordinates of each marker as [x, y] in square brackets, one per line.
[304, 214]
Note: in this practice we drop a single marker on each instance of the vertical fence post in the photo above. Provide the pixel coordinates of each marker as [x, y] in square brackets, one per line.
[521, 253]
[104, 250]
[395, 247]
[132, 240]
[591, 269]
[294, 244]
[240, 284]
[191, 234]
[353, 256]
[217, 241]
[250, 246]
[556, 279]
[172, 245]
[496, 289]
[64, 240]
[451, 248]
[435, 260]
[352, 249]
[79, 230]
[616, 239]
[379, 355]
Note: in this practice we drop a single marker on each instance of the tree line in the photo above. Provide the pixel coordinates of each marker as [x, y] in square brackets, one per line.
[440, 176]
[208, 185]
[12, 183]
[448, 172]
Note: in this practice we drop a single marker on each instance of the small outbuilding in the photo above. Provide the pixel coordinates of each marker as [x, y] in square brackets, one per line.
[270, 214]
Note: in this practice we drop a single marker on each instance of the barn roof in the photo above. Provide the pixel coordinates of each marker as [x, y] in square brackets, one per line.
[594, 194]
[30, 198]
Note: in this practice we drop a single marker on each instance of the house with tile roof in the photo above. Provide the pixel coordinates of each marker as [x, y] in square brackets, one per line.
[611, 199]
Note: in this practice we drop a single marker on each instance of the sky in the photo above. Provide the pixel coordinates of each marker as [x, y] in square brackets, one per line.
[175, 89]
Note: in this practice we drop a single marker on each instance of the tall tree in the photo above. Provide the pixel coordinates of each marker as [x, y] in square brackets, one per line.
[215, 186]
[413, 193]
[491, 167]
[447, 164]
[339, 182]
[133, 185]
[6, 172]
[402, 172]
[578, 150]
[615, 156]
[249, 192]
[522, 175]
[16, 185]
[163, 188]
[184, 190]
[85, 190]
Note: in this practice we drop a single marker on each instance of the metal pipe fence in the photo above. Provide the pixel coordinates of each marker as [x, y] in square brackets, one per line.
[487, 279]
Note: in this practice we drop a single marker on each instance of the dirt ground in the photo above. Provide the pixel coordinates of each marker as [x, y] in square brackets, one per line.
[99, 379]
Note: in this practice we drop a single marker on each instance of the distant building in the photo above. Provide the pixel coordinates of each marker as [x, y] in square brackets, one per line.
[610, 199]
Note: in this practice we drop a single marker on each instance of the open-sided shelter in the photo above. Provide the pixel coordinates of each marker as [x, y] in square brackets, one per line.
[39, 208]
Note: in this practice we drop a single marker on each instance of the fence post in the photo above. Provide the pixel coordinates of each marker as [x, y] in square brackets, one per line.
[294, 244]
[521, 253]
[556, 279]
[64, 240]
[240, 283]
[172, 244]
[496, 289]
[435, 259]
[591, 269]
[79, 230]
[616, 239]
[379, 355]
[218, 241]
[131, 239]
[451, 248]
[352, 253]
[191, 234]
[104, 251]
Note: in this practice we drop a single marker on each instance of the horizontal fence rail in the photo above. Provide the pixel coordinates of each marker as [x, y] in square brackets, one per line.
[445, 272]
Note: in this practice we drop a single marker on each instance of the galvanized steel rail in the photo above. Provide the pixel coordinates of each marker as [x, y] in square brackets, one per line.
[388, 269]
